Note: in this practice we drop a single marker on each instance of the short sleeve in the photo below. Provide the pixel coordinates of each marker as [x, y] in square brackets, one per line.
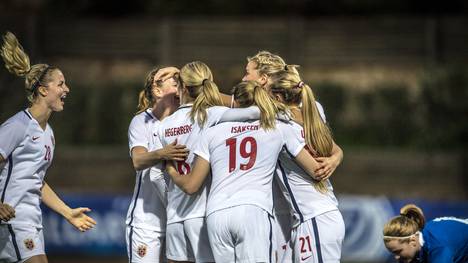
[240, 114]
[12, 134]
[157, 144]
[202, 147]
[214, 115]
[137, 134]
[292, 142]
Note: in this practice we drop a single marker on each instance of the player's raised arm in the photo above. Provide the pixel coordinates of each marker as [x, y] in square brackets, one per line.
[190, 183]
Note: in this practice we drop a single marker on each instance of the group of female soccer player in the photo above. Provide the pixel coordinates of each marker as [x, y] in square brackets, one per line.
[241, 178]
[244, 184]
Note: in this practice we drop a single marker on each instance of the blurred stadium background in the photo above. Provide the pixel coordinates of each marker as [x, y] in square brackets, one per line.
[392, 76]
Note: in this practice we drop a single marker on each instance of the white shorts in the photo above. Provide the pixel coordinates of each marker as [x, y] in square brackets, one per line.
[188, 241]
[319, 239]
[241, 233]
[145, 246]
[282, 226]
[19, 243]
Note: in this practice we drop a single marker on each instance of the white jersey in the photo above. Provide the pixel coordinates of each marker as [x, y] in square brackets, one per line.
[179, 126]
[28, 150]
[147, 209]
[297, 186]
[281, 205]
[243, 158]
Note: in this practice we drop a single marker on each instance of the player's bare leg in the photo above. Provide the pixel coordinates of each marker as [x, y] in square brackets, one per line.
[37, 259]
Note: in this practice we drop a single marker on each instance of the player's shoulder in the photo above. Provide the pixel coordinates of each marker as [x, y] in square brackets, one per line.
[289, 129]
[21, 119]
[220, 129]
[179, 117]
[142, 118]
[286, 125]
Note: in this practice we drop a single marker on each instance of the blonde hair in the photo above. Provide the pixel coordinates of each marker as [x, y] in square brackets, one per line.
[145, 97]
[409, 222]
[269, 64]
[318, 136]
[17, 62]
[248, 93]
[198, 80]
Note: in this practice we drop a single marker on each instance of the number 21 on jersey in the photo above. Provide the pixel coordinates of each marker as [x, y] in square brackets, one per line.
[247, 149]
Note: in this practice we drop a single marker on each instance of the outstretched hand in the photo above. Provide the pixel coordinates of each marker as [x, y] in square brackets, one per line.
[80, 220]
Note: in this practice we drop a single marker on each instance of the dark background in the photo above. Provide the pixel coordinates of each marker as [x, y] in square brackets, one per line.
[391, 75]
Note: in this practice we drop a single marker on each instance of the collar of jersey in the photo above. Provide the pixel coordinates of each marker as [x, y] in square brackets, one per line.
[187, 105]
[421, 255]
[34, 120]
[150, 112]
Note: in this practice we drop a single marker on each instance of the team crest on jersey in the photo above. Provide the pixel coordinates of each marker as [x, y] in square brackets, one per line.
[29, 244]
[141, 250]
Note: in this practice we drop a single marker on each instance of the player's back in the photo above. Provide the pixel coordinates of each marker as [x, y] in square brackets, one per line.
[243, 158]
[180, 127]
[447, 233]
[304, 199]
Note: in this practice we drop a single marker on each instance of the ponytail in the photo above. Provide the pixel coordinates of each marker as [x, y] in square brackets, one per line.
[198, 80]
[248, 93]
[317, 134]
[268, 108]
[409, 222]
[414, 213]
[208, 96]
[17, 62]
[144, 102]
[145, 97]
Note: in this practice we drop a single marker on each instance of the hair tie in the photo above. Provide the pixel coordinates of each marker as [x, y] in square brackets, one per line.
[203, 82]
[286, 67]
[299, 85]
[35, 85]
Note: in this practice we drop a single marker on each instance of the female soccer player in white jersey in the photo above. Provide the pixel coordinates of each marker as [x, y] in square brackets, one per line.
[243, 157]
[26, 151]
[261, 67]
[146, 216]
[318, 227]
[186, 238]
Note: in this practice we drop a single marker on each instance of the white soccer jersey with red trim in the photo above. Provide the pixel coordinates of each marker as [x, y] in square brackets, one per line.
[147, 209]
[297, 186]
[179, 127]
[28, 150]
[243, 158]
